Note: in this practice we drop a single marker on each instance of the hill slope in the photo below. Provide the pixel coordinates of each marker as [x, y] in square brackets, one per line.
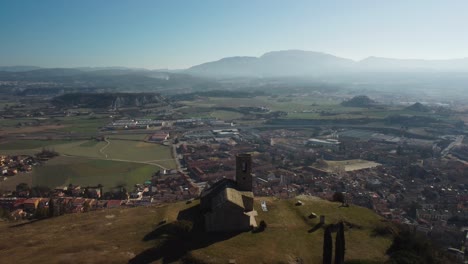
[418, 107]
[123, 235]
[359, 101]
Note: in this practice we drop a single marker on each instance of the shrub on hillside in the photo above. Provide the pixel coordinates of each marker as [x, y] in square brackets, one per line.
[338, 197]
[410, 247]
[384, 230]
[260, 228]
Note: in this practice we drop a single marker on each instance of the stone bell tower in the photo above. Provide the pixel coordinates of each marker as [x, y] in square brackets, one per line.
[244, 172]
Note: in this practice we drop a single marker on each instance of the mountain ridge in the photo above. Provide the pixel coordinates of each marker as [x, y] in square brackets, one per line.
[296, 54]
[305, 63]
[282, 63]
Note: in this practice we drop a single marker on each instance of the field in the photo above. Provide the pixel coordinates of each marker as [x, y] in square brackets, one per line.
[29, 144]
[83, 124]
[30, 129]
[299, 107]
[71, 124]
[89, 162]
[226, 115]
[139, 151]
[120, 235]
[113, 149]
[65, 170]
[130, 136]
[352, 165]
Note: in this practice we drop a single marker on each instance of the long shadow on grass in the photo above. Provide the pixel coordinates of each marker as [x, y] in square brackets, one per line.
[315, 228]
[174, 240]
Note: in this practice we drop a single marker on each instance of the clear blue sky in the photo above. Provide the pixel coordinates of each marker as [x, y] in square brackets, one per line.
[180, 33]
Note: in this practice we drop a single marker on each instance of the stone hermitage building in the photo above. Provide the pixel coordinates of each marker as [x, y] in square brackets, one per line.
[228, 205]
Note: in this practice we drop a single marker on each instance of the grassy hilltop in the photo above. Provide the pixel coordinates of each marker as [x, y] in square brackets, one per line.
[123, 235]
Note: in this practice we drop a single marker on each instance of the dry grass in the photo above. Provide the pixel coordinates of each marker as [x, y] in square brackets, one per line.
[95, 238]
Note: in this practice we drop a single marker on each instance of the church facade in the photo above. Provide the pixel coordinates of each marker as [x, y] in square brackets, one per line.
[228, 204]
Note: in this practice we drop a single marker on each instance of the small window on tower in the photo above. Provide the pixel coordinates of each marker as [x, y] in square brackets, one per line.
[244, 166]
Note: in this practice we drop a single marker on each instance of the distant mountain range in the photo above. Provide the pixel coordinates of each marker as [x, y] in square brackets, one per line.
[310, 63]
[272, 72]
[18, 68]
[281, 64]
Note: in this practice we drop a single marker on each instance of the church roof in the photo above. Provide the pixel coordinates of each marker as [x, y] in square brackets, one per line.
[217, 187]
[224, 191]
[230, 195]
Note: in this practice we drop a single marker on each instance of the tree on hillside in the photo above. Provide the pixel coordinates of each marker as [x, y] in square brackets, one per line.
[63, 208]
[22, 187]
[86, 192]
[51, 208]
[340, 245]
[41, 212]
[338, 197]
[261, 227]
[327, 246]
[4, 214]
[410, 247]
[40, 191]
[46, 153]
[86, 207]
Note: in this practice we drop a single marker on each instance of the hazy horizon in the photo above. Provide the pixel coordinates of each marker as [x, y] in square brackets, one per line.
[181, 34]
[239, 55]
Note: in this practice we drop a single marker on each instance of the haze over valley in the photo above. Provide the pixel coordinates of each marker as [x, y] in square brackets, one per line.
[233, 132]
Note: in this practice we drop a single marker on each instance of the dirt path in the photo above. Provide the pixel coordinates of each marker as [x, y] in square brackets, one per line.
[158, 160]
[103, 148]
[123, 160]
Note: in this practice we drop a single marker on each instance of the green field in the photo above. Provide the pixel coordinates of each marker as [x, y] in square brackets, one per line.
[71, 124]
[296, 107]
[89, 162]
[4, 123]
[130, 137]
[83, 148]
[65, 170]
[119, 235]
[83, 124]
[123, 150]
[29, 144]
[226, 115]
[89, 143]
[138, 151]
